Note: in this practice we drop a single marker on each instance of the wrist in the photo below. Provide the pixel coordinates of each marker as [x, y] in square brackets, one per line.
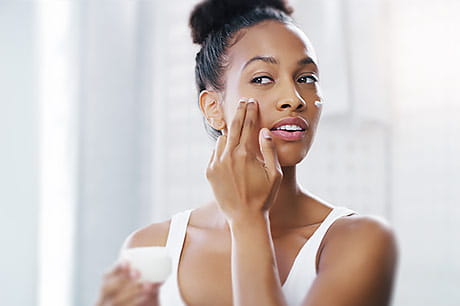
[247, 221]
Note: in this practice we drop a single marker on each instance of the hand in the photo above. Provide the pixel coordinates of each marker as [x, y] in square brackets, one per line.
[244, 184]
[121, 287]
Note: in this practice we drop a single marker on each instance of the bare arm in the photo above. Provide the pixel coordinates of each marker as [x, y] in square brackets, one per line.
[255, 279]
[356, 266]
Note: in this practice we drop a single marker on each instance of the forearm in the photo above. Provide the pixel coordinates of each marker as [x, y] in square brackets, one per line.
[255, 279]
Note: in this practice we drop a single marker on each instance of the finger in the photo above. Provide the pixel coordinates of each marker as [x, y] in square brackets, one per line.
[249, 132]
[268, 149]
[113, 286]
[150, 294]
[117, 281]
[130, 272]
[234, 133]
[152, 291]
[145, 300]
[113, 270]
[129, 294]
[211, 159]
[220, 146]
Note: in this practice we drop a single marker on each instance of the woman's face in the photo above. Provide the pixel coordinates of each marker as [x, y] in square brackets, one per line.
[275, 64]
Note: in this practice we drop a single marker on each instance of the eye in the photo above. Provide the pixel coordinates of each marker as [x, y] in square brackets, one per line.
[262, 80]
[308, 79]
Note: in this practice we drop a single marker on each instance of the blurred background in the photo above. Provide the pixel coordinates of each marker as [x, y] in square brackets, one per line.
[100, 134]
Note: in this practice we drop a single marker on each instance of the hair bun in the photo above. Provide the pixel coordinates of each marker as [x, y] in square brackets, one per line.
[211, 15]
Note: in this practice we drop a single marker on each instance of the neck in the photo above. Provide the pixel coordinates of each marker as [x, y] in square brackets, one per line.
[287, 206]
[288, 202]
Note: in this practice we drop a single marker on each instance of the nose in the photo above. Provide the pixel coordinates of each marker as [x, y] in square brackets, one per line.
[291, 99]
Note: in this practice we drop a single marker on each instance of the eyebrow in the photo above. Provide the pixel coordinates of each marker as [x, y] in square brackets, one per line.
[271, 60]
[305, 61]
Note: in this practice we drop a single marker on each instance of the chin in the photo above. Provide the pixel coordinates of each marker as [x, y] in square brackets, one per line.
[289, 157]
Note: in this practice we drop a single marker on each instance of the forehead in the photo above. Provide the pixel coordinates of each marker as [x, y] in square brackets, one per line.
[285, 42]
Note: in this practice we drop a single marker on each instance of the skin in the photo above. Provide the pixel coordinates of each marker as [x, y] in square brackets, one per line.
[240, 247]
[121, 286]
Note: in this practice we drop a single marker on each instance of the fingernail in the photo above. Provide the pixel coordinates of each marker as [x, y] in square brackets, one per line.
[266, 134]
[134, 274]
[147, 287]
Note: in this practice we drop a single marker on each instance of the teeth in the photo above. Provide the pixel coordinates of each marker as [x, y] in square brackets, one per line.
[289, 127]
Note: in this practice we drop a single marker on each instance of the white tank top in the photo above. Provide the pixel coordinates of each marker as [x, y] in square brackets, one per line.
[300, 277]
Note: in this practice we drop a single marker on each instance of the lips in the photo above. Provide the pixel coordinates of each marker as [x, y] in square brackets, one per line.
[290, 135]
[291, 121]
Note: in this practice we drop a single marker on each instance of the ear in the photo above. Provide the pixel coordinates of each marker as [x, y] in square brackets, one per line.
[212, 109]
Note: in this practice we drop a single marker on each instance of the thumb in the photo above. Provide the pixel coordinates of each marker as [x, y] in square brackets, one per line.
[268, 150]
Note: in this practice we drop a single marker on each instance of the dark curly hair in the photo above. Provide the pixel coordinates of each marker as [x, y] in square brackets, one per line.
[214, 23]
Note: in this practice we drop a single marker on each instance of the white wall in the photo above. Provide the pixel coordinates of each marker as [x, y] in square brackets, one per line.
[19, 148]
[424, 93]
[110, 176]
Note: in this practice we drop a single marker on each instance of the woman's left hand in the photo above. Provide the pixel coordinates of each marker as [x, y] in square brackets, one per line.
[244, 184]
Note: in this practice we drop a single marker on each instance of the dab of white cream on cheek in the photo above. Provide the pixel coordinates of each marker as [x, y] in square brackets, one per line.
[318, 103]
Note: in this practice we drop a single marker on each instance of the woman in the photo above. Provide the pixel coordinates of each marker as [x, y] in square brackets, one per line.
[263, 240]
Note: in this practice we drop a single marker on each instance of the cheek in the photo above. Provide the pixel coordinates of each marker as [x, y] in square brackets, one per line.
[265, 101]
[229, 106]
[311, 93]
[265, 111]
[316, 91]
[263, 98]
[262, 114]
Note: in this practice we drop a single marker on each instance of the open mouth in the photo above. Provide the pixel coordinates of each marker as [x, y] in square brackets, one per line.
[289, 133]
[291, 128]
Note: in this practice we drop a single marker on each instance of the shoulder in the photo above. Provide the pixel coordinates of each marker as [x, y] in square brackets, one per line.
[365, 244]
[361, 237]
[357, 262]
[361, 225]
[362, 230]
[155, 234]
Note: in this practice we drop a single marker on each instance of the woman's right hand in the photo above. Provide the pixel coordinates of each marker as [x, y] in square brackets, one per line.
[121, 287]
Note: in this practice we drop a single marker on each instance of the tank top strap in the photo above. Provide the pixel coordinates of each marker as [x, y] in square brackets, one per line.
[176, 235]
[303, 270]
[169, 292]
[318, 235]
